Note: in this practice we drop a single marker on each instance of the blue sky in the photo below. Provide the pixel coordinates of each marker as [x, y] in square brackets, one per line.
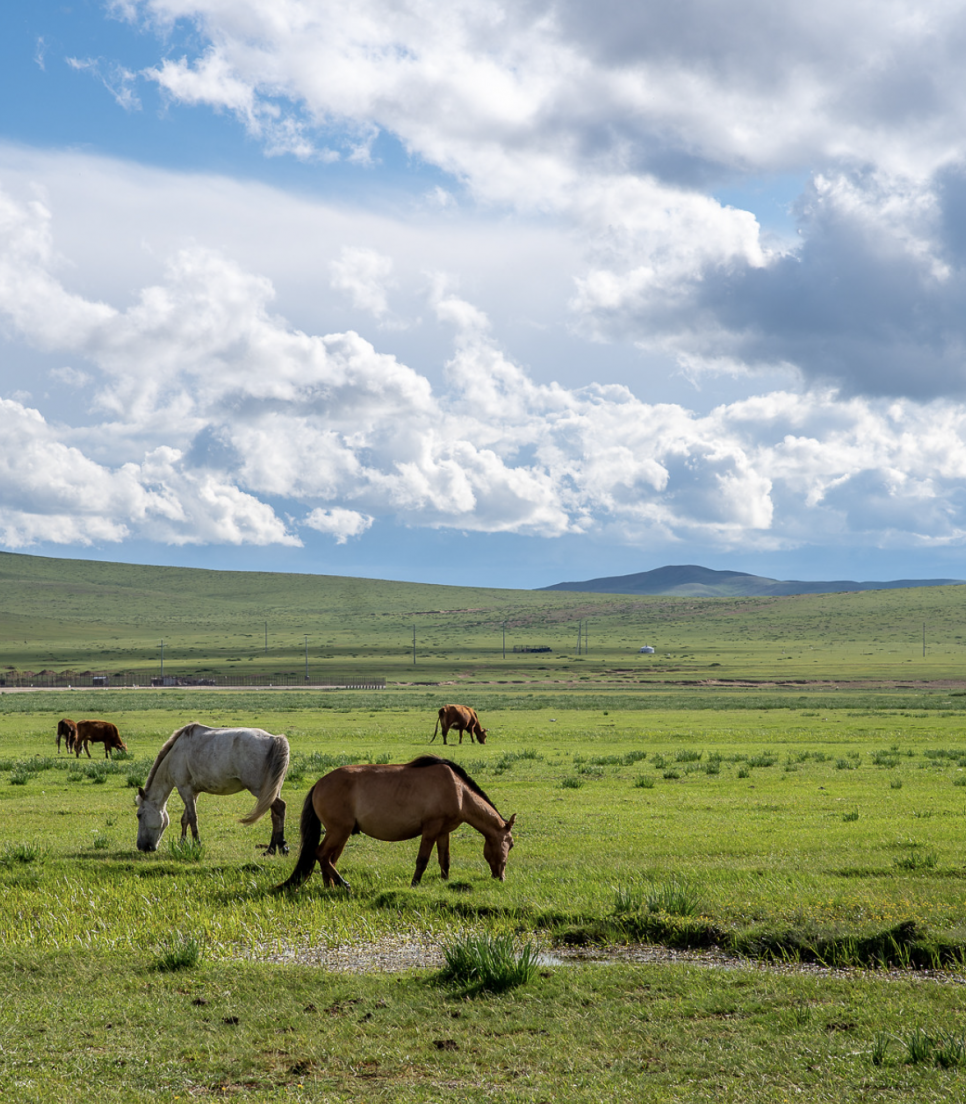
[484, 293]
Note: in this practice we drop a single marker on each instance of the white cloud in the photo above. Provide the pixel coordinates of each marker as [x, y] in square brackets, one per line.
[216, 418]
[365, 276]
[621, 123]
[70, 377]
[118, 80]
[53, 492]
[339, 523]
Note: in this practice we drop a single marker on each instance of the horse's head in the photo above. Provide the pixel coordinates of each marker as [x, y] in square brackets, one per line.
[481, 735]
[496, 848]
[152, 821]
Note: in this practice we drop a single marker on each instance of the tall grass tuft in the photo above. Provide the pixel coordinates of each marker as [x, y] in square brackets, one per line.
[880, 1047]
[763, 759]
[916, 860]
[941, 1048]
[950, 1050]
[180, 952]
[20, 854]
[919, 1047]
[688, 755]
[188, 849]
[488, 963]
[675, 896]
[627, 899]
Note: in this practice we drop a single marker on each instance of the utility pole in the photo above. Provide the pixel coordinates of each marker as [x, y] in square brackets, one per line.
[306, 659]
[414, 645]
[924, 640]
[266, 638]
[162, 662]
[504, 640]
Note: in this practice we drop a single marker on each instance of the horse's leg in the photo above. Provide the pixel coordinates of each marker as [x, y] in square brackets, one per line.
[189, 818]
[442, 853]
[278, 828]
[431, 833]
[328, 855]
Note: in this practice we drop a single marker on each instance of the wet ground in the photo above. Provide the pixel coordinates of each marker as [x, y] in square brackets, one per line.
[393, 954]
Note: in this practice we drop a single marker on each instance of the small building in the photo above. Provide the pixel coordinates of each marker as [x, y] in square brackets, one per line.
[99, 680]
[647, 650]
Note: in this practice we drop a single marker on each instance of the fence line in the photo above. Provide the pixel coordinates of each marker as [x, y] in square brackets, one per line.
[52, 680]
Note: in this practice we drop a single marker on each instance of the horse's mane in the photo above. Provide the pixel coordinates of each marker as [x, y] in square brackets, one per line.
[165, 748]
[433, 760]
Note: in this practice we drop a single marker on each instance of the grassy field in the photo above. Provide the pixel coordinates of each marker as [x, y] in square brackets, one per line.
[783, 783]
[786, 835]
[75, 615]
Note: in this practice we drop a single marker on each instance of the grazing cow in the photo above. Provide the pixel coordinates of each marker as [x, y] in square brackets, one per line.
[460, 717]
[97, 732]
[68, 729]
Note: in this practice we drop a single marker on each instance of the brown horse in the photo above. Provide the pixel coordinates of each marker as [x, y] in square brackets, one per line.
[428, 797]
[461, 717]
[97, 732]
[67, 729]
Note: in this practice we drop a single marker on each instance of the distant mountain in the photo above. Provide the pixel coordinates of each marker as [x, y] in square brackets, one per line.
[691, 581]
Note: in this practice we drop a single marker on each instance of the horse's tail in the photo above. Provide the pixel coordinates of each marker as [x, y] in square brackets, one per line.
[436, 729]
[310, 831]
[275, 768]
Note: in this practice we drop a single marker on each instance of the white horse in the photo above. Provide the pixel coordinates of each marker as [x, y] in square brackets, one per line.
[197, 759]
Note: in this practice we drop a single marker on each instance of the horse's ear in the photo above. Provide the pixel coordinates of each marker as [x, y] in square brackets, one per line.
[509, 823]
[141, 793]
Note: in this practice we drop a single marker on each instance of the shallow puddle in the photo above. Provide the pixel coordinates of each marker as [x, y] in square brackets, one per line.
[391, 955]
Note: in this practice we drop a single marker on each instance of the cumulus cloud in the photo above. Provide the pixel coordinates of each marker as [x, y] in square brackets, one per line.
[216, 419]
[365, 276]
[53, 492]
[339, 523]
[624, 125]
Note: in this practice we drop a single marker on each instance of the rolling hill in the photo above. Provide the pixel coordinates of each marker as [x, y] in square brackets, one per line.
[691, 581]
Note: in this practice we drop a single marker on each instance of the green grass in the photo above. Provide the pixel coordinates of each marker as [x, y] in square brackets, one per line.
[488, 963]
[179, 952]
[239, 1029]
[803, 860]
[790, 860]
[80, 616]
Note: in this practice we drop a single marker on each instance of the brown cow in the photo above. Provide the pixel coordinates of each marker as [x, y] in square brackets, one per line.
[97, 732]
[460, 717]
[68, 729]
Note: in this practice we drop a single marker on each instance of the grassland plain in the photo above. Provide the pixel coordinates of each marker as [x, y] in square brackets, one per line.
[781, 832]
[72, 615]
